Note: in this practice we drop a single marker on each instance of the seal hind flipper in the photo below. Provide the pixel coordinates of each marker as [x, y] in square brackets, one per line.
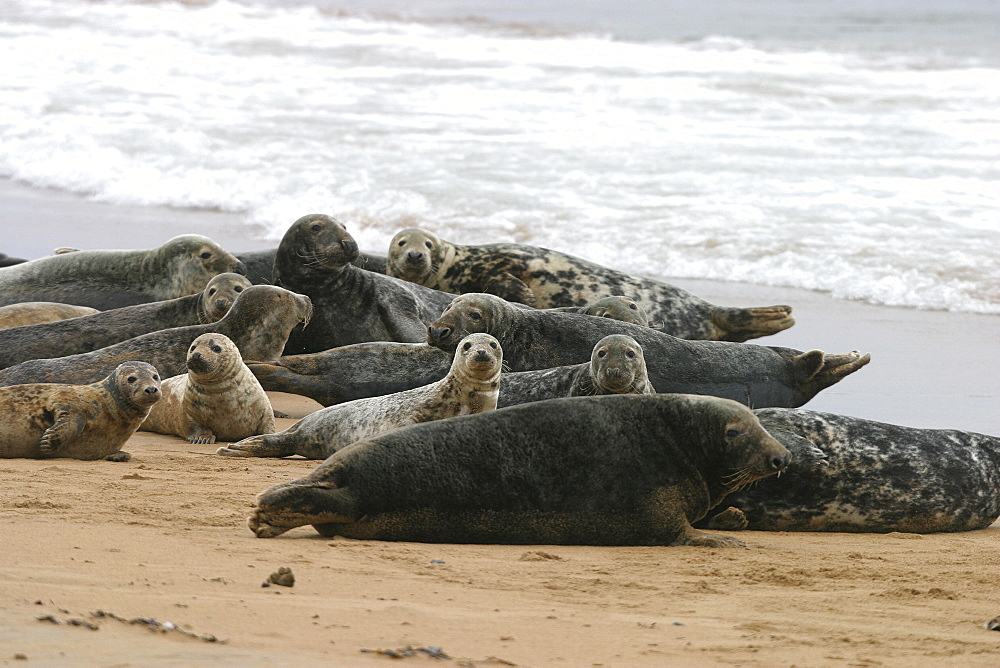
[318, 503]
[263, 445]
[741, 324]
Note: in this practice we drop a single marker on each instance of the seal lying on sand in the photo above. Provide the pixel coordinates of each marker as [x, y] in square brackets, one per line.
[258, 323]
[34, 313]
[42, 420]
[351, 305]
[260, 264]
[546, 279]
[106, 279]
[217, 399]
[758, 376]
[104, 328]
[611, 470]
[471, 386]
[878, 478]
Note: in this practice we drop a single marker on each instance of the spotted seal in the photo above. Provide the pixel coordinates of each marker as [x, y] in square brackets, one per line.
[260, 264]
[545, 278]
[41, 420]
[105, 328]
[616, 307]
[217, 399]
[34, 313]
[608, 470]
[758, 376]
[351, 305]
[471, 386]
[258, 323]
[872, 477]
[106, 279]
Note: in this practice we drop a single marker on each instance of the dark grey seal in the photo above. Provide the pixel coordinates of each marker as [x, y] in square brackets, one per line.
[260, 264]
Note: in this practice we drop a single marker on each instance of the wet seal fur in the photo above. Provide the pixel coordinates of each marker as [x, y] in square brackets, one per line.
[610, 470]
[615, 307]
[105, 328]
[871, 477]
[42, 420]
[106, 279]
[258, 323]
[34, 313]
[758, 376]
[260, 264]
[471, 386]
[351, 305]
[545, 278]
[217, 399]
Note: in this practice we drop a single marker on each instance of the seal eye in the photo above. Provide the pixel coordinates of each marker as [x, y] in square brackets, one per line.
[238, 288]
[132, 379]
[316, 227]
[467, 346]
[493, 345]
[732, 433]
[429, 244]
[206, 255]
[602, 353]
[216, 349]
[630, 354]
[632, 306]
[475, 316]
[401, 243]
[191, 349]
[606, 315]
[156, 376]
[212, 292]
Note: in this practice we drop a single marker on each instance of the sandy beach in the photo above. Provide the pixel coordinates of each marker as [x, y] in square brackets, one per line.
[163, 537]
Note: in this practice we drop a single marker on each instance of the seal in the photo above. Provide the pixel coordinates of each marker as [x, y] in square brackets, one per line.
[33, 313]
[471, 386]
[354, 372]
[258, 323]
[105, 328]
[758, 376]
[260, 264]
[617, 366]
[545, 278]
[608, 470]
[217, 399]
[616, 307]
[351, 305]
[873, 477]
[42, 420]
[106, 279]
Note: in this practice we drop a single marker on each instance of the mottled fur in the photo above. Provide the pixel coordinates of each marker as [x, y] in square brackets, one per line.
[34, 313]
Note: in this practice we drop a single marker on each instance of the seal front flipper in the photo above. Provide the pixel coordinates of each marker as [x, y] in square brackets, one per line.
[741, 324]
[120, 456]
[199, 435]
[63, 430]
[730, 519]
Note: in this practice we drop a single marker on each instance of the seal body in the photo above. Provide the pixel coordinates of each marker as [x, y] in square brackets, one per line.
[260, 264]
[258, 323]
[876, 477]
[106, 279]
[758, 376]
[351, 305]
[34, 313]
[471, 386]
[78, 421]
[217, 399]
[545, 278]
[616, 366]
[104, 328]
[613, 470]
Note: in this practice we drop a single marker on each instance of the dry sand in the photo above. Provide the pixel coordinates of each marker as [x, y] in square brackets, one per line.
[163, 536]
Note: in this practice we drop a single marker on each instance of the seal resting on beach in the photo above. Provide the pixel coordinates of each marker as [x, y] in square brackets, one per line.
[258, 323]
[351, 305]
[610, 470]
[106, 279]
[42, 420]
[615, 307]
[33, 313]
[545, 278]
[758, 376]
[260, 264]
[471, 386]
[217, 399]
[104, 328]
[875, 477]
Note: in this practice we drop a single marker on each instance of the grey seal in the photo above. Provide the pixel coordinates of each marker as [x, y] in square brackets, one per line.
[260, 264]
[34, 313]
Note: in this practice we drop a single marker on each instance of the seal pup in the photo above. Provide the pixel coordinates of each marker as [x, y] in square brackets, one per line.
[471, 386]
[608, 470]
[351, 305]
[41, 420]
[106, 279]
[545, 278]
[217, 399]
[260, 264]
[874, 477]
[616, 307]
[258, 323]
[354, 372]
[617, 366]
[758, 376]
[34, 313]
[104, 328]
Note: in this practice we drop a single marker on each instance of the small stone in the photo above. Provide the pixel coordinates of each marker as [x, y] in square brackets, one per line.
[20, 657]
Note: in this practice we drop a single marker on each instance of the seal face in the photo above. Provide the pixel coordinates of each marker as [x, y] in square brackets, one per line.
[218, 296]
[217, 399]
[471, 386]
[758, 376]
[614, 470]
[34, 313]
[616, 307]
[351, 305]
[79, 421]
[545, 278]
[874, 477]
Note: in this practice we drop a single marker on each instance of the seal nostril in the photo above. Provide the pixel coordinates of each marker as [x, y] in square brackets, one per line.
[778, 462]
[414, 255]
